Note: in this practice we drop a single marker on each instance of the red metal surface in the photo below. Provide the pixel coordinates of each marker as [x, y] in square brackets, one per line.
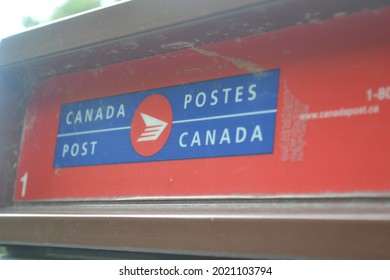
[327, 69]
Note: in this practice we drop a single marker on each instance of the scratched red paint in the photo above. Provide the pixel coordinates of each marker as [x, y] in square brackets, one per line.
[324, 67]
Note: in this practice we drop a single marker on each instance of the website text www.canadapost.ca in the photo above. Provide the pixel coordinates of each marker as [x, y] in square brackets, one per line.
[341, 112]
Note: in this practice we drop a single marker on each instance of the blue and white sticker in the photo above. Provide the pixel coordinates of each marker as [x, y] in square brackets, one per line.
[232, 116]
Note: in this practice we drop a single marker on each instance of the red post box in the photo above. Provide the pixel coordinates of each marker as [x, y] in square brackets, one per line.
[226, 128]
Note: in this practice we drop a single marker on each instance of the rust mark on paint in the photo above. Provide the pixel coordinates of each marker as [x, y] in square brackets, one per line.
[248, 66]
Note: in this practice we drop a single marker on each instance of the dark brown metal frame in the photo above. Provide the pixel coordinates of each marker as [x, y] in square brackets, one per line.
[316, 227]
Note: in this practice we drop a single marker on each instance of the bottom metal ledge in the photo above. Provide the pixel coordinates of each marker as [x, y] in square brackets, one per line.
[226, 230]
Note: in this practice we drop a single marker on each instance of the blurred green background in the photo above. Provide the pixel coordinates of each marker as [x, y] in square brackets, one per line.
[2, 250]
[16, 16]
[68, 8]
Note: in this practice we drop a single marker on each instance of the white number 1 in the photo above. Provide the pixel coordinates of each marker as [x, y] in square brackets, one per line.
[23, 179]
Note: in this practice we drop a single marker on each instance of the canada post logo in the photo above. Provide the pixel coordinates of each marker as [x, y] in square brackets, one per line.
[233, 116]
[151, 125]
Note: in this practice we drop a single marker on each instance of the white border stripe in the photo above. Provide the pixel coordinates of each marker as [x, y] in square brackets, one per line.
[174, 122]
[92, 131]
[227, 116]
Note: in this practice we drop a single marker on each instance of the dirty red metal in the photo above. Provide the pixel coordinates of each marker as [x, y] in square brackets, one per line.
[332, 128]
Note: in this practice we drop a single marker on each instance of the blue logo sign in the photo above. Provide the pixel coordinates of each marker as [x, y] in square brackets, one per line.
[231, 116]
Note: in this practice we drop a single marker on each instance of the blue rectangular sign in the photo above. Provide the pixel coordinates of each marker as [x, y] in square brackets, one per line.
[223, 117]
